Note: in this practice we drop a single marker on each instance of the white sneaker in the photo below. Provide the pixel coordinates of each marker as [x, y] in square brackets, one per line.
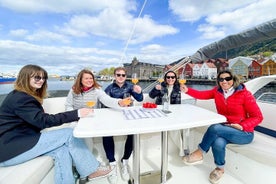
[125, 170]
[101, 172]
[112, 178]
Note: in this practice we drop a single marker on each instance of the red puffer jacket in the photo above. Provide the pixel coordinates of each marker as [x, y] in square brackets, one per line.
[240, 107]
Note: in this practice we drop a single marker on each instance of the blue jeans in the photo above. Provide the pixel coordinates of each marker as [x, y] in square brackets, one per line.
[218, 136]
[66, 150]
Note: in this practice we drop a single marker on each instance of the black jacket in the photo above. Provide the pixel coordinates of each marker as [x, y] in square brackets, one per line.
[21, 119]
[175, 97]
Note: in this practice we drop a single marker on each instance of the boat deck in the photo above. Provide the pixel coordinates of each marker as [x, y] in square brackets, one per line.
[180, 172]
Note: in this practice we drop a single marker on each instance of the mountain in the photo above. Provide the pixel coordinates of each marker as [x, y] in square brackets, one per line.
[249, 50]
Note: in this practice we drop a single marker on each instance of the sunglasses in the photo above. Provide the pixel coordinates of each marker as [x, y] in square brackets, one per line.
[168, 77]
[119, 75]
[38, 78]
[226, 78]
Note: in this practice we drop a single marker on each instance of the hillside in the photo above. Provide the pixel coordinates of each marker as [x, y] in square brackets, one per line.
[249, 50]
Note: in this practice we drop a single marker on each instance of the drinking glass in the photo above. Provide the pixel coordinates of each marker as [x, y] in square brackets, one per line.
[134, 78]
[182, 79]
[90, 104]
[127, 99]
[160, 78]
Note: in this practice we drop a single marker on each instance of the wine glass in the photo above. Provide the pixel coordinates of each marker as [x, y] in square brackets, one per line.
[90, 104]
[182, 79]
[134, 78]
[160, 78]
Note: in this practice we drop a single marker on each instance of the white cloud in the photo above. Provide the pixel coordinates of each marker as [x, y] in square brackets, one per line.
[73, 59]
[224, 17]
[46, 36]
[19, 32]
[65, 6]
[117, 25]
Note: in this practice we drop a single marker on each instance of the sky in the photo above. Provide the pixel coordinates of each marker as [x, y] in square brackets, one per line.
[65, 36]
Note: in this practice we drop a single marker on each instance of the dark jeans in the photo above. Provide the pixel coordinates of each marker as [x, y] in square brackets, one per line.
[109, 147]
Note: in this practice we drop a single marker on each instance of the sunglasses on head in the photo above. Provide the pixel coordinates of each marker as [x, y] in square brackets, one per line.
[226, 78]
[119, 75]
[38, 78]
[168, 77]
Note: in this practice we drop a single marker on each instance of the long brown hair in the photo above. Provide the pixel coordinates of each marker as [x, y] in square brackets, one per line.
[22, 82]
[77, 87]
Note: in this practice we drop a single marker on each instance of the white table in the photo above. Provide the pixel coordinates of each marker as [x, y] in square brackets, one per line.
[111, 122]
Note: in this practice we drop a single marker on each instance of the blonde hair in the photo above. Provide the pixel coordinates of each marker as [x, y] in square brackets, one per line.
[120, 68]
[22, 82]
[77, 87]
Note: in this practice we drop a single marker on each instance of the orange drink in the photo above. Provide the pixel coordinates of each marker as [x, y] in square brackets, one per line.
[182, 81]
[134, 80]
[160, 80]
[90, 104]
[127, 101]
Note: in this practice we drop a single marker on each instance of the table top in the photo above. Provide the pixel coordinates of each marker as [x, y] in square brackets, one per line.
[107, 121]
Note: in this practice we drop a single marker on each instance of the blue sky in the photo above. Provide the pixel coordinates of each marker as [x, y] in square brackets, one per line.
[64, 36]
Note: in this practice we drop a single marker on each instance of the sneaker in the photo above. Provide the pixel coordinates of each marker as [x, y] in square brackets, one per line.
[112, 178]
[125, 170]
[216, 175]
[82, 181]
[102, 171]
[192, 159]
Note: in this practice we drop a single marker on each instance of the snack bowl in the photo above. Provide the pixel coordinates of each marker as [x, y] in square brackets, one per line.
[148, 106]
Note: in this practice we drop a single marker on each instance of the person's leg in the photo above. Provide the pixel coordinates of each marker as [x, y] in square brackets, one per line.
[226, 135]
[109, 147]
[51, 143]
[128, 147]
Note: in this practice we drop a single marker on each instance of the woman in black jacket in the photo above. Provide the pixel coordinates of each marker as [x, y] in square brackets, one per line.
[21, 120]
[171, 86]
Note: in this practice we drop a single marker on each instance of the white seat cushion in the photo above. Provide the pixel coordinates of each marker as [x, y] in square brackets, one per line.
[29, 172]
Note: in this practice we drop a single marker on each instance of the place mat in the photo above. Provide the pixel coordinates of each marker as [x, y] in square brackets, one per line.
[141, 113]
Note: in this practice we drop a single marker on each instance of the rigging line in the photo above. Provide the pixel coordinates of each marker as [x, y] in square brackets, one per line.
[132, 31]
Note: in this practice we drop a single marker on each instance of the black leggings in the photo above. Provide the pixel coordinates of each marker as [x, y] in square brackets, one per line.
[109, 147]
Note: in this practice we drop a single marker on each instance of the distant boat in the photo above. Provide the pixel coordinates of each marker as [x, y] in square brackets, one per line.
[7, 80]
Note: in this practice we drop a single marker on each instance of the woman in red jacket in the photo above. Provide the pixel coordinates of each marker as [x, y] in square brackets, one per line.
[239, 107]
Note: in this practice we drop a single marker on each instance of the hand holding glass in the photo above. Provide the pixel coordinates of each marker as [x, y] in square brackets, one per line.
[134, 78]
[182, 79]
[90, 104]
[127, 99]
[160, 78]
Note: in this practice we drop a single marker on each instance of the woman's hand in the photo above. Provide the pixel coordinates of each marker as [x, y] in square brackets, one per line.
[235, 125]
[158, 87]
[86, 112]
[183, 88]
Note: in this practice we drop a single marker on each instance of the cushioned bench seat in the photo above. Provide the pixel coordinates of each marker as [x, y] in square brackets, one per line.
[31, 172]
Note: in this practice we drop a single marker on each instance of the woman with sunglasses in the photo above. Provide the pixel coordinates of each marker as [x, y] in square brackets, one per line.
[169, 86]
[239, 106]
[118, 89]
[21, 120]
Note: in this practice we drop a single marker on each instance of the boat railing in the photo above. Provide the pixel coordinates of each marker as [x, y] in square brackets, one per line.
[267, 97]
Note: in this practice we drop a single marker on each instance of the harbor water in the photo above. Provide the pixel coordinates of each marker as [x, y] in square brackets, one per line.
[57, 88]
